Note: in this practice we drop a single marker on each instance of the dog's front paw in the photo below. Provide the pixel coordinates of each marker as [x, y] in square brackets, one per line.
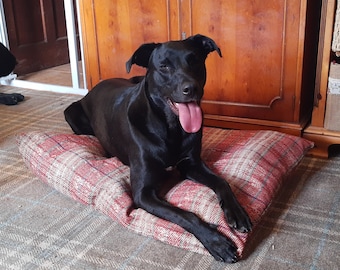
[220, 247]
[238, 219]
[236, 216]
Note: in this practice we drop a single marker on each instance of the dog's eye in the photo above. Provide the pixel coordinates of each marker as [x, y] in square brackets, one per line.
[164, 67]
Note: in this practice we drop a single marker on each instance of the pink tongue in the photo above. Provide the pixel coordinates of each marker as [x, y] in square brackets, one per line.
[190, 116]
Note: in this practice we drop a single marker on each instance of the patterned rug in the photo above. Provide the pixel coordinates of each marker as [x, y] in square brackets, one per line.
[43, 229]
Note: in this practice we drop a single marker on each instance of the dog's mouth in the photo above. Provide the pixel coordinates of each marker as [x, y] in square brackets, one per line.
[189, 113]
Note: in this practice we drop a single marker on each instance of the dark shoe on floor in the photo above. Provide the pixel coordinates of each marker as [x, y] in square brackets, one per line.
[11, 99]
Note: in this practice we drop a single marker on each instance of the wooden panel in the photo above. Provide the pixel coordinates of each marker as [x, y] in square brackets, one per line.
[262, 47]
[316, 132]
[28, 16]
[37, 33]
[115, 29]
[326, 34]
[59, 21]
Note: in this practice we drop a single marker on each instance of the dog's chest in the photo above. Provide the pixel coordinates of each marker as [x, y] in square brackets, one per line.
[176, 148]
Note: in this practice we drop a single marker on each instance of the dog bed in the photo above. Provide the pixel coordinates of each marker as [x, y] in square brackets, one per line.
[255, 163]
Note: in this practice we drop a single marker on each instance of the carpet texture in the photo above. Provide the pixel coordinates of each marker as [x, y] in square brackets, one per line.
[43, 229]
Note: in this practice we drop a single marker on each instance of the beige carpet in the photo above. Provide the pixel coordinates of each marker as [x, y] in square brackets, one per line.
[42, 229]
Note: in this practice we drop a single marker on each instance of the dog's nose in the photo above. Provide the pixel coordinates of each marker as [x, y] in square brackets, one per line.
[188, 89]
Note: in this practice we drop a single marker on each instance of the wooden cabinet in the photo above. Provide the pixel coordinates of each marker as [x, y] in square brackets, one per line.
[316, 132]
[266, 76]
[114, 29]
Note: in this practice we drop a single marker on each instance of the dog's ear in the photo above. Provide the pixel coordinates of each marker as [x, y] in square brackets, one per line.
[141, 56]
[207, 44]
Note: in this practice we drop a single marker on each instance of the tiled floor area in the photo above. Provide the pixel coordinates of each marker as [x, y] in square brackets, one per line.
[59, 75]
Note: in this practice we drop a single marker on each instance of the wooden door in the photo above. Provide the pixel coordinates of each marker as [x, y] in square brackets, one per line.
[114, 29]
[37, 33]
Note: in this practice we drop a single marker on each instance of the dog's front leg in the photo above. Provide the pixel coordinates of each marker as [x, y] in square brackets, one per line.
[144, 192]
[236, 216]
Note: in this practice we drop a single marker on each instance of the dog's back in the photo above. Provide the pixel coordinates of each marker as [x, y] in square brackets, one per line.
[7, 61]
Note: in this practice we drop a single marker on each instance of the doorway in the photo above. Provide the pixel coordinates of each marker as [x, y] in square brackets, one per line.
[65, 46]
[37, 34]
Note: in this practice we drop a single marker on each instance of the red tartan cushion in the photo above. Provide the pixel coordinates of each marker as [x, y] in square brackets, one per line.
[253, 162]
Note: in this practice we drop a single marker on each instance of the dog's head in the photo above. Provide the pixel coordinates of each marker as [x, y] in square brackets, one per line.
[176, 75]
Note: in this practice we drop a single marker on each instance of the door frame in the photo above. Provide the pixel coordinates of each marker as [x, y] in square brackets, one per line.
[73, 55]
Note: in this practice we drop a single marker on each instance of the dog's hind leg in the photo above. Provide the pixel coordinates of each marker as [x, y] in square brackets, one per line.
[77, 119]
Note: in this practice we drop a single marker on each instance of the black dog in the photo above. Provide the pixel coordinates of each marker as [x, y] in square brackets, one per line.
[157, 123]
[7, 64]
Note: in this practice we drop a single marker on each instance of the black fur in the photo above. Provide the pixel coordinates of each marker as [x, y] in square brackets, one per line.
[7, 65]
[137, 121]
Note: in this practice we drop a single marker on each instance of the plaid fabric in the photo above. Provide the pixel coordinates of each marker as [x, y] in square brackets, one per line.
[253, 162]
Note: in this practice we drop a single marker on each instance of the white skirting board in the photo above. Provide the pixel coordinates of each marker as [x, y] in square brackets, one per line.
[43, 86]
